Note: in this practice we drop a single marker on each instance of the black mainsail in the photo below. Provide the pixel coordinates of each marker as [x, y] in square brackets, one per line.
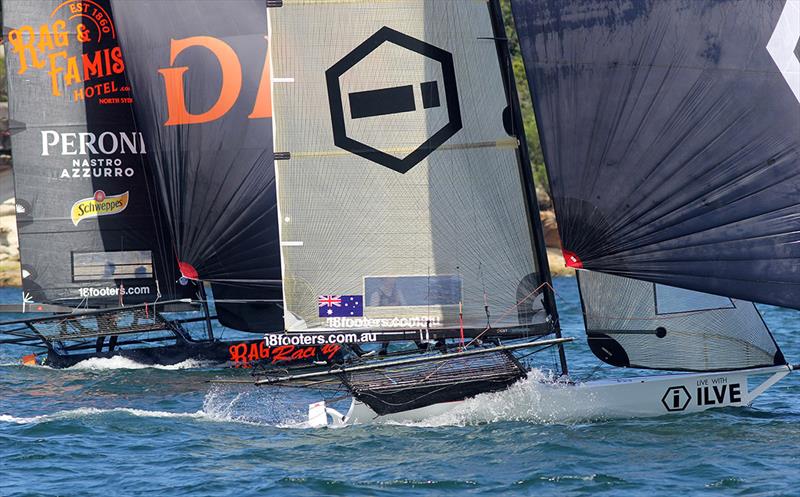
[87, 230]
[671, 132]
[200, 75]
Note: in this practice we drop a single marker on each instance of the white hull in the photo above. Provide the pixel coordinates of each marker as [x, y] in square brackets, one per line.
[548, 401]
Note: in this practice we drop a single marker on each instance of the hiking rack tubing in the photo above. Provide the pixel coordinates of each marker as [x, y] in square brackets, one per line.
[32, 342]
[93, 312]
[443, 357]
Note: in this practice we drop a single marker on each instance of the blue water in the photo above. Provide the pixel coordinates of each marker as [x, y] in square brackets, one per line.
[111, 431]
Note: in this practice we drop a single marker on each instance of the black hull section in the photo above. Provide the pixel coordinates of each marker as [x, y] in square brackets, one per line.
[403, 388]
[406, 399]
[213, 352]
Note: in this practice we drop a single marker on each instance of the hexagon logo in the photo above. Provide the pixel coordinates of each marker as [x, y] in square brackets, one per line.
[676, 398]
[400, 124]
[784, 45]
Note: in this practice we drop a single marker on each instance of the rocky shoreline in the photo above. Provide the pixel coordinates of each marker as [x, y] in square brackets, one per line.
[553, 242]
[10, 274]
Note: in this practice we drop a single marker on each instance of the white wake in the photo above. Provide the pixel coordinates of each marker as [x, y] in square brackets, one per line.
[118, 362]
[535, 399]
[84, 412]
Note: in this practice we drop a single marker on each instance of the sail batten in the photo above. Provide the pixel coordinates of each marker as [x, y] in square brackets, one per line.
[507, 143]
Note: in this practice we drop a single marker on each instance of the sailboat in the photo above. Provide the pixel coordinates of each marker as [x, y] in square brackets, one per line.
[669, 132]
[264, 202]
[115, 223]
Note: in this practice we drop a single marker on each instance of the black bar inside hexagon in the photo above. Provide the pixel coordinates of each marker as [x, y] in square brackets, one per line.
[430, 94]
[381, 102]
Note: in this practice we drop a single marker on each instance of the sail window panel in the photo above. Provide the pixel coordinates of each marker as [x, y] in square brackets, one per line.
[393, 291]
[99, 266]
[670, 300]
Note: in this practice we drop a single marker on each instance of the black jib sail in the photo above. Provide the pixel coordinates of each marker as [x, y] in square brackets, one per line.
[86, 224]
[671, 132]
[199, 72]
[402, 201]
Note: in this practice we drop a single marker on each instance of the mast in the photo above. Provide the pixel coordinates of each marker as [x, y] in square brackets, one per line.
[539, 247]
[206, 314]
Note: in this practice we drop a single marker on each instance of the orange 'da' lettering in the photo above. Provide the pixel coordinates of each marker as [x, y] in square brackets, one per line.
[177, 113]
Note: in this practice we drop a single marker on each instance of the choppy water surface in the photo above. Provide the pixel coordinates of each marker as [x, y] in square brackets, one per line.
[112, 427]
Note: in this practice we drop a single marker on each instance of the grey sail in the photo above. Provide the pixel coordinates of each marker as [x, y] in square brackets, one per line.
[633, 323]
[400, 190]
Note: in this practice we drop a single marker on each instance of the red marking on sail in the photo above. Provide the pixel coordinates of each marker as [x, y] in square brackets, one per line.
[188, 271]
[572, 260]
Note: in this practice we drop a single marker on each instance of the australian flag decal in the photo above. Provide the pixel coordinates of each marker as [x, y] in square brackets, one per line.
[341, 306]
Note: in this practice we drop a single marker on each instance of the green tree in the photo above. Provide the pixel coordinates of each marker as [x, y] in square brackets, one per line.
[526, 103]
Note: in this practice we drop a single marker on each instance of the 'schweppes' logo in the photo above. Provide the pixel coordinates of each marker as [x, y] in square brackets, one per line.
[98, 205]
[46, 48]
